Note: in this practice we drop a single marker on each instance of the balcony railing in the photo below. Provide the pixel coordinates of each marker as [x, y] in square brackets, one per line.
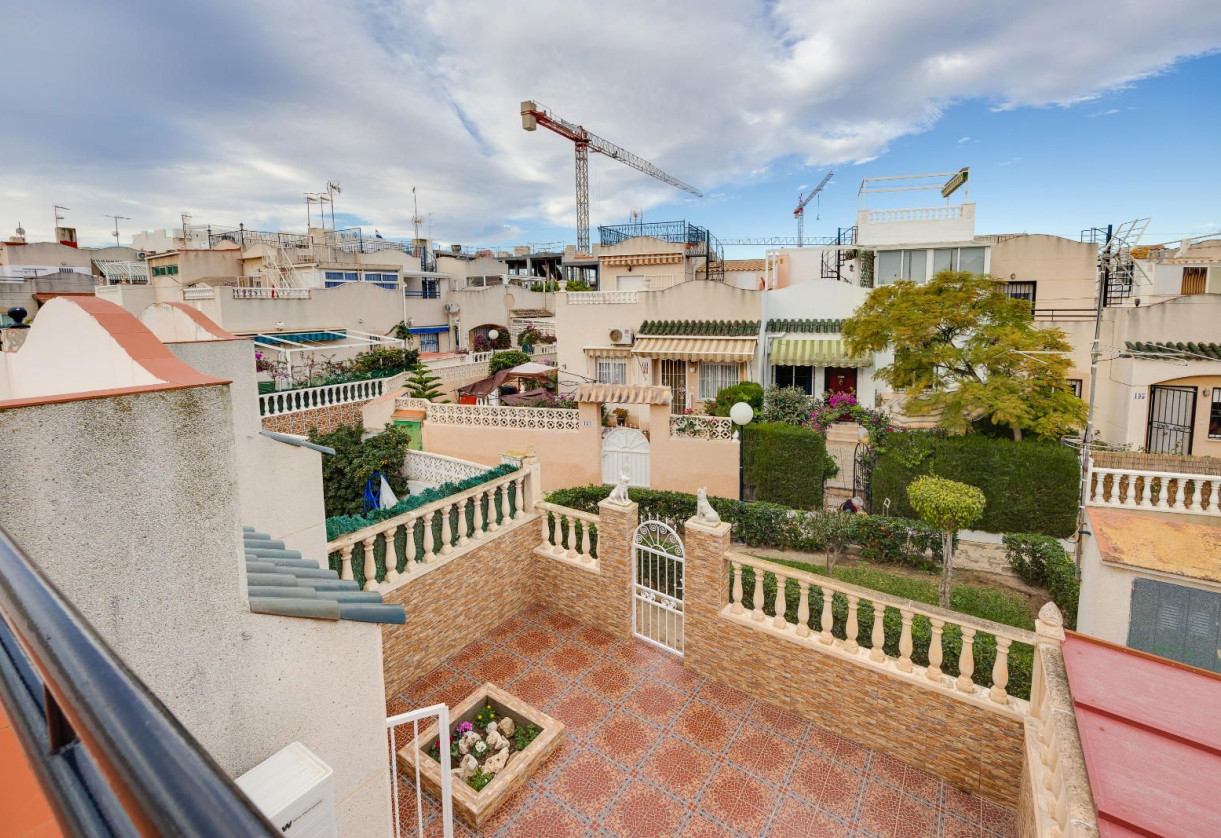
[272, 293]
[1157, 491]
[570, 535]
[899, 216]
[111, 759]
[601, 298]
[310, 398]
[203, 292]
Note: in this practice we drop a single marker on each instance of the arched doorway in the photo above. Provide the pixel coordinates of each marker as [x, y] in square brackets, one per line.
[626, 449]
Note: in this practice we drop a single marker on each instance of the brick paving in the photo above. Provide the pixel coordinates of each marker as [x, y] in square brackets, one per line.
[654, 750]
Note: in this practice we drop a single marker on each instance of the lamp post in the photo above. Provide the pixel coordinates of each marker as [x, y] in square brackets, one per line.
[492, 335]
[741, 414]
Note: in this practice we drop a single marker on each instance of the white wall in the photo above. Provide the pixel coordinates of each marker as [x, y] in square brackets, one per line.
[924, 225]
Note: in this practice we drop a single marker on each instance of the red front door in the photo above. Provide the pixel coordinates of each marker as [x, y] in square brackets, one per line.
[841, 380]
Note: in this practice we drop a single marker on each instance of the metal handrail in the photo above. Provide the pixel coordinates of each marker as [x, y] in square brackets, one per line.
[110, 757]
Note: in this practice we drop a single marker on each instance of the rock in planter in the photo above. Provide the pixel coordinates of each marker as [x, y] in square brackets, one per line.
[466, 768]
[507, 728]
[468, 741]
[495, 741]
[497, 761]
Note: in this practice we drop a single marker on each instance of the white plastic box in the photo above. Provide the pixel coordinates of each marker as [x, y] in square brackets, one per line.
[295, 790]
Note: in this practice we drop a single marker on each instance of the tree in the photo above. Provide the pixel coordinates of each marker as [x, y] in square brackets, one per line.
[949, 506]
[507, 361]
[345, 473]
[962, 346]
[422, 384]
[835, 530]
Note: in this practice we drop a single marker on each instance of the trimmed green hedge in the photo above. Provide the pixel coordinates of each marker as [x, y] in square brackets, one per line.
[1042, 560]
[785, 464]
[880, 539]
[1029, 486]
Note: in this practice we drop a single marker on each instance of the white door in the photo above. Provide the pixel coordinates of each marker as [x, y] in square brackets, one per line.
[631, 282]
[625, 448]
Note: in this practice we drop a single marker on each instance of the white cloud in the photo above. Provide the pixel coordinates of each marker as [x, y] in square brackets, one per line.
[964, 140]
[231, 110]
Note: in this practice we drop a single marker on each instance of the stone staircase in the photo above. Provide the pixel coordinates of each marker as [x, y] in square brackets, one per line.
[281, 582]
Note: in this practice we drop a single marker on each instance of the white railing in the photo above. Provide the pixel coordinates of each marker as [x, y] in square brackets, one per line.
[489, 416]
[437, 468]
[203, 292]
[309, 398]
[480, 357]
[568, 534]
[1163, 491]
[873, 654]
[898, 216]
[441, 713]
[1060, 788]
[601, 298]
[272, 293]
[443, 529]
[543, 349]
[694, 426]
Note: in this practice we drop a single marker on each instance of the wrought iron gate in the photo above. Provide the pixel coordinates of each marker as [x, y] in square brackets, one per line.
[657, 608]
[674, 376]
[1172, 416]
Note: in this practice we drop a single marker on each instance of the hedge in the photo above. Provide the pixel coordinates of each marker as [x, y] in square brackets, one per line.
[1041, 560]
[880, 539]
[785, 464]
[1029, 486]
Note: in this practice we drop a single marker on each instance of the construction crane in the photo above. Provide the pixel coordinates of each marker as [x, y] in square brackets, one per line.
[533, 114]
[800, 212]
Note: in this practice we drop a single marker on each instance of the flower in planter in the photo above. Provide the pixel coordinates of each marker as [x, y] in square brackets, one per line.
[481, 748]
[465, 727]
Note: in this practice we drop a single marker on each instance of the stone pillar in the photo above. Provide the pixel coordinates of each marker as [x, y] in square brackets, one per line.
[705, 592]
[617, 524]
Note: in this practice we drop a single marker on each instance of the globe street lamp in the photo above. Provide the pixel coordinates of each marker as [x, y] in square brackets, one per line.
[741, 414]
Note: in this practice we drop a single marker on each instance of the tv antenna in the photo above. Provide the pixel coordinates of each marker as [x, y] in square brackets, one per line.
[59, 219]
[117, 219]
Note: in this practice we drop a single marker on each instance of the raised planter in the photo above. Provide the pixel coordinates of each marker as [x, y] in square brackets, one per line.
[474, 808]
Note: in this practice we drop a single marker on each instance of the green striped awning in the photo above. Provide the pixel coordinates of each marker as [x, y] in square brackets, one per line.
[813, 353]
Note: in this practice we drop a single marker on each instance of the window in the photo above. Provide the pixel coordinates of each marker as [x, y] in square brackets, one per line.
[1075, 386]
[969, 259]
[382, 280]
[902, 264]
[334, 279]
[429, 342]
[800, 377]
[716, 377]
[431, 289]
[172, 270]
[1193, 280]
[1022, 291]
[159, 270]
[612, 371]
[1214, 415]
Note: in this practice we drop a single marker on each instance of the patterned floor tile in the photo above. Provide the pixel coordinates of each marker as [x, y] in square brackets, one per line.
[454, 691]
[997, 818]
[880, 808]
[809, 778]
[841, 791]
[780, 722]
[570, 660]
[703, 826]
[917, 819]
[535, 611]
[507, 629]
[738, 800]
[588, 783]
[762, 754]
[560, 623]
[953, 827]
[655, 702]
[545, 819]
[599, 640]
[963, 804]
[624, 739]
[921, 784]
[672, 672]
[725, 697]
[838, 748]
[417, 691]
[534, 643]
[499, 668]
[538, 687]
[472, 652]
[611, 680]
[679, 766]
[581, 711]
[706, 726]
[798, 819]
[643, 811]
[638, 654]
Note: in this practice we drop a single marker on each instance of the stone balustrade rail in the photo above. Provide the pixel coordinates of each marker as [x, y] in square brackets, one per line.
[799, 630]
[398, 549]
[601, 298]
[272, 293]
[200, 292]
[569, 535]
[694, 426]
[1163, 491]
[309, 398]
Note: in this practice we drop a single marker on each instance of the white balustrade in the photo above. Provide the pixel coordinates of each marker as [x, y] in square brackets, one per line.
[283, 402]
[694, 426]
[489, 416]
[600, 298]
[427, 541]
[272, 293]
[435, 469]
[1164, 491]
[847, 642]
[199, 292]
[898, 216]
[558, 521]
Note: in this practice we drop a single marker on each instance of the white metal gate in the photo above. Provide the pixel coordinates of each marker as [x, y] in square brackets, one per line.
[657, 562]
[625, 447]
[413, 717]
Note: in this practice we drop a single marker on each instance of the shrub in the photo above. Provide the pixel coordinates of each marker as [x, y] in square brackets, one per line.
[356, 460]
[1041, 560]
[949, 506]
[787, 404]
[747, 391]
[507, 361]
[785, 464]
[1029, 486]
[880, 539]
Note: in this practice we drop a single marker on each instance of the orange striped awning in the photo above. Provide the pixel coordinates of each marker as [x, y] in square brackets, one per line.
[642, 259]
[723, 350]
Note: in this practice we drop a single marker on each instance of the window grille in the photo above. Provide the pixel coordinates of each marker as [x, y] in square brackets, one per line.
[612, 371]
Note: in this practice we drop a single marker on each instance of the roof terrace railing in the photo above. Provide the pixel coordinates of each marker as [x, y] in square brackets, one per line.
[111, 759]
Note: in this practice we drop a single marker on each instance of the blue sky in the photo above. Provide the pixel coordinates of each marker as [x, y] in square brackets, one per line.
[1069, 115]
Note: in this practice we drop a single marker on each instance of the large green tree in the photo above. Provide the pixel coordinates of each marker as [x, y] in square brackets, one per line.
[422, 384]
[963, 346]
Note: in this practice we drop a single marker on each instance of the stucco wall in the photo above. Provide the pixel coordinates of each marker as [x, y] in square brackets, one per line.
[138, 523]
[362, 306]
[1064, 269]
[683, 465]
[1105, 605]
[280, 485]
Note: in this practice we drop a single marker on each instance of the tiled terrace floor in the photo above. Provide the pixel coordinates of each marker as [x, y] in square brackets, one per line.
[654, 750]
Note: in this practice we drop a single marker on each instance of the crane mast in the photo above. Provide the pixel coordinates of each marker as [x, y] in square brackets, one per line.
[800, 212]
[533, 114]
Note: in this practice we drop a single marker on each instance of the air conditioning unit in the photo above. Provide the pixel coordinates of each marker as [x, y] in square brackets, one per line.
[621, 336]
[295, 790]
[451, 308]
[141, 255]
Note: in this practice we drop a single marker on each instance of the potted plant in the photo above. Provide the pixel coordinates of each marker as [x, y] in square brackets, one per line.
[621, 416]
